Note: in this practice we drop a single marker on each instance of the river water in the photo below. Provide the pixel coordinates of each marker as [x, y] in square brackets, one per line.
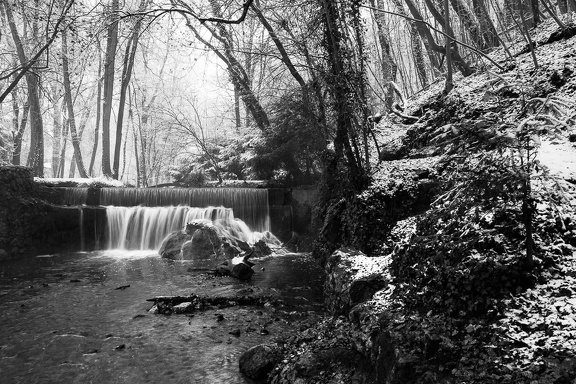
[63, 320]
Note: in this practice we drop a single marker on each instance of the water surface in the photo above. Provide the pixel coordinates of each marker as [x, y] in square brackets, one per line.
[62, 320]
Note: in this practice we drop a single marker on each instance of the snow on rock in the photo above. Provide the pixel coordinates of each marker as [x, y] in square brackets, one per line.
[352, 278]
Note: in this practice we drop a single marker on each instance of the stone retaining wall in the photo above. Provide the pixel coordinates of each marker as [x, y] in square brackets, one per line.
[31, 226]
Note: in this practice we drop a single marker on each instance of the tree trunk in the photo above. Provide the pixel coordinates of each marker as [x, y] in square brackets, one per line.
[98, 113]
[487, 28]
[341, 92]
[424, 31]
[57, 129]
[535, 8]
[19, 126]
[70, 107]
[237, 117]
[129, 56]
[83, 121]
[111, 43]
[470, 22]
[62, 162]
[36, 154]
[419, 62]
[389, 67]
[448, 31]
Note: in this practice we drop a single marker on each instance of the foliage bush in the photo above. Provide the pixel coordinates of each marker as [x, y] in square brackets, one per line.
[291, 151]
[189, 174]
[465, 255]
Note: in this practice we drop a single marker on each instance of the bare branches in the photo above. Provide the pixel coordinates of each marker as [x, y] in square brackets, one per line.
[27, 66]
[439, 31]
[245, 8]
[184, 9]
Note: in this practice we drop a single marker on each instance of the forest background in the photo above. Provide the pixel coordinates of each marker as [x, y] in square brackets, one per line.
[154, 91]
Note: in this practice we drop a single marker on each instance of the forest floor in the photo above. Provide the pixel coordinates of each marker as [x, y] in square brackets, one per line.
[462, 307]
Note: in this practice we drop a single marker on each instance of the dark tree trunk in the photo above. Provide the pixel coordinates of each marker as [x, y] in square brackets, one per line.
[109, 63]
[129, 56]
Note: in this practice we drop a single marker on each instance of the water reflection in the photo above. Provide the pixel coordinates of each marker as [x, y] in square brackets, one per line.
[63, 320]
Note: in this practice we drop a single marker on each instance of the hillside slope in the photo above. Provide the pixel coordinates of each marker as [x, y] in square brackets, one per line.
[470, 224]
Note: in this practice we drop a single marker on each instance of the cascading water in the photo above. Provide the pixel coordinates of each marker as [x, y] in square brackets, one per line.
[142, 228]
[73, 196]
[140, 219]
[248, 204]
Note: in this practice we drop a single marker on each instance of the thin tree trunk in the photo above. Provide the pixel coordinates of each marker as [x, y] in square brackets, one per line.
[432, 53]
[487, 28]
[419, 62]
[237, 117]
[19, 126]
[70, 105]
[98, 113]
[458, 61]
[62, 162]
[470, 22]
[447, 30]
[389, 67]
[526, 33]
[111, 43]
[535, 8]
[57, 130]
[83, 122]
[129, 56]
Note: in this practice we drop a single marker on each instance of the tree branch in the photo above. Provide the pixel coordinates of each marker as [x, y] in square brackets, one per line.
[32, 61]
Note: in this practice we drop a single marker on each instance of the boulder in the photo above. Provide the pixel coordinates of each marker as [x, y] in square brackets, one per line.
[353, 278]
[204, 244]
[237, 267]
[258, 361]
[229, 249]
[261, 249]
[172, 245]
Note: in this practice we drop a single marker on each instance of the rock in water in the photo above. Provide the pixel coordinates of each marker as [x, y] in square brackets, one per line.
[204, 244]
[242, 271]
[258, 361]
[238, 267]
[172, 245]
[261, 249]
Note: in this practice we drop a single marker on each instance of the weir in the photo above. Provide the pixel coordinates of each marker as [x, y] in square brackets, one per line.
[140, 219]
[144, 228]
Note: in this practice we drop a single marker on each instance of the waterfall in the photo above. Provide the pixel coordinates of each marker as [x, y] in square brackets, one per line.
[144, 228]
[73, 196]
[248, 204]
[140, 218]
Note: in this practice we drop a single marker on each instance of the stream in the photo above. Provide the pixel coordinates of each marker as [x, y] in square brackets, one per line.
[63, 318]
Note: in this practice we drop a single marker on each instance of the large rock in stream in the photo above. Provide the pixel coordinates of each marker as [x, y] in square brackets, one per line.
[201, 240]
[172, 245]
